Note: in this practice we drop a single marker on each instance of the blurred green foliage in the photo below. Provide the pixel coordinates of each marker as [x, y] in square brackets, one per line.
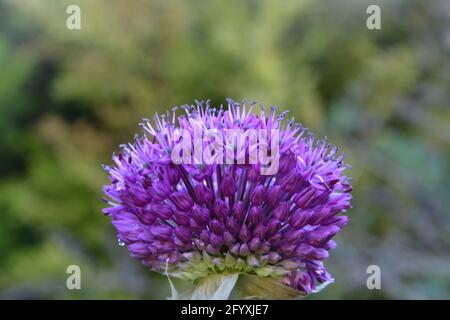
[69, 97]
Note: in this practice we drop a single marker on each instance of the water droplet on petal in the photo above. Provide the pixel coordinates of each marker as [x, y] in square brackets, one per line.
[120, 242]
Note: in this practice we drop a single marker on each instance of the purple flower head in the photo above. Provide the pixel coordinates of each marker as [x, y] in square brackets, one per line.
[196, 218]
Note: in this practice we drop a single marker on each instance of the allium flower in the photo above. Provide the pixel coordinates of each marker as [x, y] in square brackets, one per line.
[195, 221]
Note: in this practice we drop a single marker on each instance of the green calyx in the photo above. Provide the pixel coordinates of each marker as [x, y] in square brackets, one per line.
[216, 277]
[201, 265]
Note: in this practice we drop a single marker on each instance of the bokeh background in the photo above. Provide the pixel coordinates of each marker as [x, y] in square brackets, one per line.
[69, 97]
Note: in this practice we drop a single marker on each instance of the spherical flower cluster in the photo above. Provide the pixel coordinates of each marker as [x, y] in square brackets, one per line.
[193, 220]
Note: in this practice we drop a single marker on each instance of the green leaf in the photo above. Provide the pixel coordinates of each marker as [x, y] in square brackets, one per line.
[213, 287]
[251, 286]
